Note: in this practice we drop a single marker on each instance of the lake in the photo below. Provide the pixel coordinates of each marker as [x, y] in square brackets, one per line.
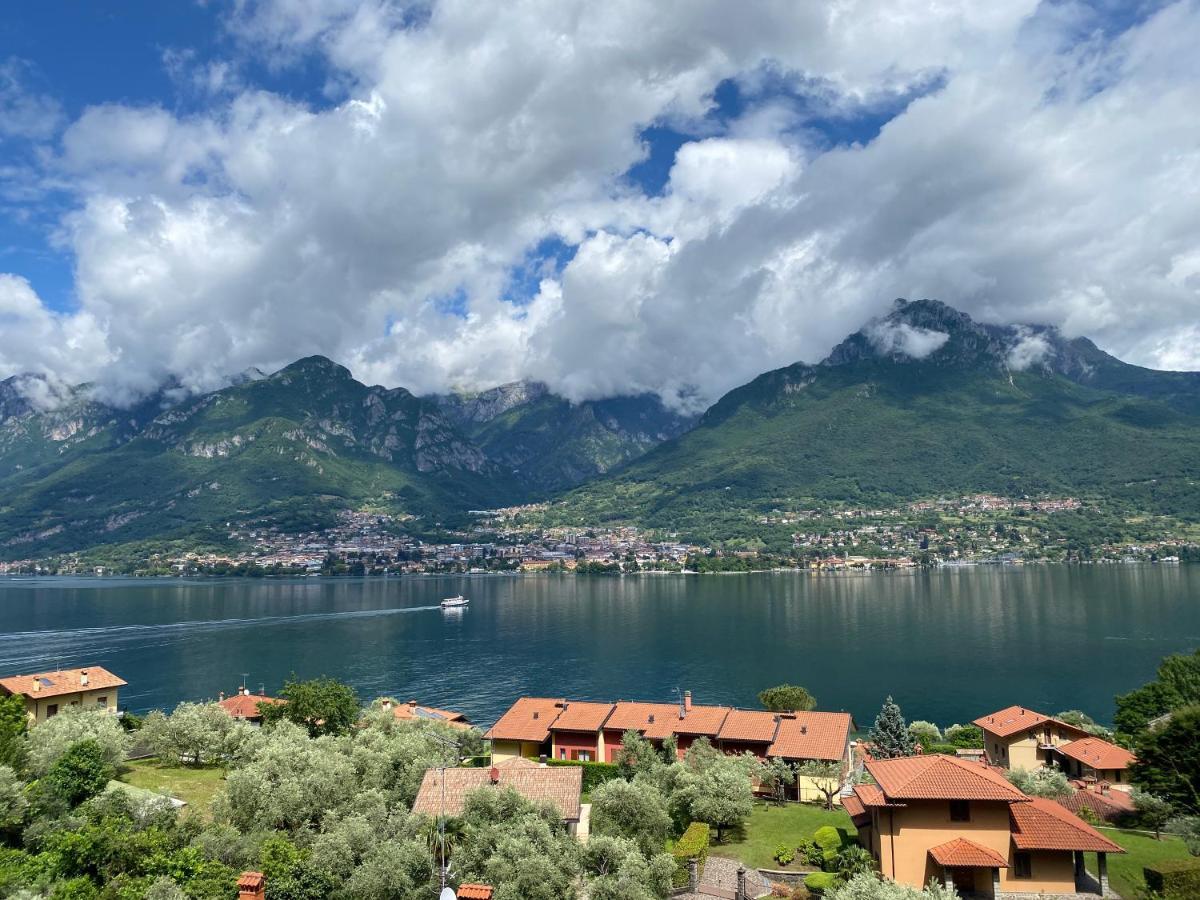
[949, 644]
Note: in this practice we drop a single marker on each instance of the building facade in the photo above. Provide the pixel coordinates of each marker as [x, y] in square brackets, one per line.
[1019, 738]
[46, 694]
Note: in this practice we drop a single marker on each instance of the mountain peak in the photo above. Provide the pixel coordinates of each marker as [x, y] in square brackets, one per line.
[314, 366]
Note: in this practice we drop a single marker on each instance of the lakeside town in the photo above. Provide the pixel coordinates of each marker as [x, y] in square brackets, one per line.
[968, 530]
[622, 799]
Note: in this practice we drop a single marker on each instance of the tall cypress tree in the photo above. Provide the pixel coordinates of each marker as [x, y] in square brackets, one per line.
[889, 735]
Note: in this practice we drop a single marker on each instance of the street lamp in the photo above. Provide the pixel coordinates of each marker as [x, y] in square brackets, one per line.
[447, 893]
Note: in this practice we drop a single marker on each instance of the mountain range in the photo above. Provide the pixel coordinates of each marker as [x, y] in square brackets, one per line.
[920, 402]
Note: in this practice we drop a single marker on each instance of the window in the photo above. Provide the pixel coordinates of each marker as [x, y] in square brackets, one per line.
[102, 701]
[52, 710]
[960, 811]
[562, 752]
[1022, 865]
[585, 756]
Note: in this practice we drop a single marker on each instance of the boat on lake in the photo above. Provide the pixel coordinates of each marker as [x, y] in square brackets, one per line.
[454, 602]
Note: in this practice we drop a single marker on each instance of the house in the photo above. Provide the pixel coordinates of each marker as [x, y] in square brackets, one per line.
[444, 791]
[244, 705]
[1096, 759]
[1108, 805]
[410, 711]
[1019, 738]
[48, 693]
[587, 731]
[964, 824]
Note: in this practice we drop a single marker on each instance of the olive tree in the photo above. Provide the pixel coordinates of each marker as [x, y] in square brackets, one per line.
[1052, 784]
[634, 810]
[52, 738]
[617, 869]
[195, 734]
[714, 788]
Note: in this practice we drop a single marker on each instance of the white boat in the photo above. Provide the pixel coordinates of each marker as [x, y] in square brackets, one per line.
[452, 602]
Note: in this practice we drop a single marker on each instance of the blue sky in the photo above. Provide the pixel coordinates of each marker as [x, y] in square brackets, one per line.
[463, 193]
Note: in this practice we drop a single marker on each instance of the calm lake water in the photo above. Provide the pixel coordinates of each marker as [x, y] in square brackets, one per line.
[950, 644]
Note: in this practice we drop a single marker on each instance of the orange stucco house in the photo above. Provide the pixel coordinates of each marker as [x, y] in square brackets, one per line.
[1019, 738]
[962, 823]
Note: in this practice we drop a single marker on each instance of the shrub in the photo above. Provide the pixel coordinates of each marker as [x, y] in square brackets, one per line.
[1089, 815]
[827, 838]
[820, 882]
[1174, 879]
[784, 854]
[594, 773]
[692, 844]
[947, 749]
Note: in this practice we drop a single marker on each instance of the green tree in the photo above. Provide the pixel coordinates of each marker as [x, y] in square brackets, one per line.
[12, 800]
[52, 738]
[1153, 812]
[714, 788]
[321, 705]
[195, 734]
[826, 776]
[775, 777]
[82, 772]
[1139, 706]
[617, 870]
[1049, 783]
[13, 725]
[637, 756]
[787, 698]
[965, 736]
[1168, 760]
[889, 735]
[634, 810]
[925, 733]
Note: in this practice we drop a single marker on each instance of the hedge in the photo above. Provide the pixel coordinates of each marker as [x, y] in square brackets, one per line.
[820, 882]
[827, 838]
[1174, 879]
[594, 773]
[692, 844]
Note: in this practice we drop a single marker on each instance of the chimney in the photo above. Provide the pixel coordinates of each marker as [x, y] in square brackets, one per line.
[37, 685]
[804, 729]
[412, 704]
[83, 679]
[252, 886]
[650, 719]
[494, 775]
[220, 696]
[1104, 786]
[1022, 710]
[246, 691]
[535, 715]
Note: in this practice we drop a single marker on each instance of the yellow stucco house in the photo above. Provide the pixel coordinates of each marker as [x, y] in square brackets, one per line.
[963, 824]
[48, 693]
[1019, 738]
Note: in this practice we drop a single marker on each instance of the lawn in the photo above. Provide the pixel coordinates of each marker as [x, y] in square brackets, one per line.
[1125, 869]
[196, 786]
[770, 825]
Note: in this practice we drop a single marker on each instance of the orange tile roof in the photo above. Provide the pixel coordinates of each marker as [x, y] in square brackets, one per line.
[63, 681]
[529, 719]
[962, 852]
[938, 777]
[1042, 824]
[251, 881]
[1092, 751]
[754, 725]
[871, 796]
[580, 715]
[660, 720]
[812, 735]
[559, 785]
[245, 706]
[474, 892]
[1111, 807]
[413, 710]
[854, 807]
[1016, 719]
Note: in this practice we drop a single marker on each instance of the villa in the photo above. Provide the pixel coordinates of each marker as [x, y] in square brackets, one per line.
[585, 731]
[1095, 759]
[1019, 738]
[962, 823]
[48, 693]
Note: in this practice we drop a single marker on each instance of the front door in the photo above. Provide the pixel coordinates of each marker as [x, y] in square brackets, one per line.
[964, 880]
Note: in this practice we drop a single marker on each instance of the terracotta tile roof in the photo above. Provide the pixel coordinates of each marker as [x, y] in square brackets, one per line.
[413, 710]
[872, 797]
[560, 785]
[529, 719]
[63, 681]
[754, 725]
[245, 706]
[1092, 751]
[1042, 824]
[581, 715]
[962, 852]
[1111, 807]
[854, 807]
[1016, 719]
[660, 720]
[938, 777]
[812, 735]
[474, 892]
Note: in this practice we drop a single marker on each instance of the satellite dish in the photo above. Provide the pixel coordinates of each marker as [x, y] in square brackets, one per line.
[448, 894]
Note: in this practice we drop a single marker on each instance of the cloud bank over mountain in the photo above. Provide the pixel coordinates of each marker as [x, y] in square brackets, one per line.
[475, 200]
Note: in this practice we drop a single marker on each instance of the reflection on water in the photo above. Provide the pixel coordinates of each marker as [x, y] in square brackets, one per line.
[949, 644]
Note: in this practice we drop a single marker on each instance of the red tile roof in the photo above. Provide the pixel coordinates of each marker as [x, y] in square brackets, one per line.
[854, 807]
[660, 720]
[1092, 751]
[581, 715]
[938, 777]
[871, 796]
[753, 725]
[62, 681]
[559, 785]
[245, 706]
[1111, 807]
[1016, 719]
[474, 892]
[812, 735]
[412, 710]
[529, 719]
[962, 852]
[1042, 824]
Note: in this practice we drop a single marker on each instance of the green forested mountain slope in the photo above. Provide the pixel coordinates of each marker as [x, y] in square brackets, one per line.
[292, 448]
[549, 443]
[873, 424]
